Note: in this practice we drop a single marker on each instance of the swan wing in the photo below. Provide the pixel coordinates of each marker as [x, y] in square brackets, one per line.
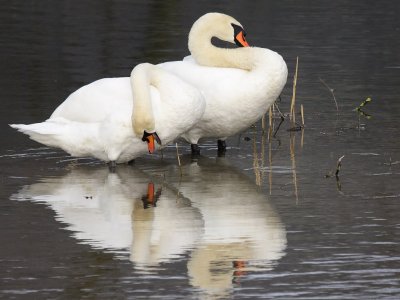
[96, 101]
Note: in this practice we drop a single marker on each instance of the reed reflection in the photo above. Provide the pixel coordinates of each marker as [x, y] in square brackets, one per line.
[213, 216]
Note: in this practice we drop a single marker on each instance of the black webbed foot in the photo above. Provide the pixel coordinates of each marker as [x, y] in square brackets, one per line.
[221, 148]
[195, 149]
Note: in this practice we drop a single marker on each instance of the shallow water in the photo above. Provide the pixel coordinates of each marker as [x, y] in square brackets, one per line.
[261, 222]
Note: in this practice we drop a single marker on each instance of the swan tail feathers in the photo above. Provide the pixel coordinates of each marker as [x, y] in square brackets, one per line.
[44, 133]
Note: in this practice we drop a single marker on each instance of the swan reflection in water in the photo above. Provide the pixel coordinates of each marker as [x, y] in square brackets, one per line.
[213, 213]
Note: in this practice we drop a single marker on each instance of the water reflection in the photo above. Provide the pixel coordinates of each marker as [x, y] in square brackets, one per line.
[113, 211]
[213, 216]
[242, 232]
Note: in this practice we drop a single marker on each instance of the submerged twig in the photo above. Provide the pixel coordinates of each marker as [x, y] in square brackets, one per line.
[338, 166]
[296, 128]
[279, 125]
[332, 92]
[279, 111]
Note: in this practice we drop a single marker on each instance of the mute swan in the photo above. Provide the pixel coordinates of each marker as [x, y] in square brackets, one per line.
[111, 118]
[239, 84]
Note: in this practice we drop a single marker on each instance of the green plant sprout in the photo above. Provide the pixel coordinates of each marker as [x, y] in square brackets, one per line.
[360, 111]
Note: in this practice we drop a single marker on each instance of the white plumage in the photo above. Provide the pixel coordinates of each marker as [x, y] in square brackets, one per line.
[216, 92]
[97, 120]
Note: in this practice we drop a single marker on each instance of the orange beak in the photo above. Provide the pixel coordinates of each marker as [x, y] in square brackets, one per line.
[151, 144]
[240, 39]
[151, 139]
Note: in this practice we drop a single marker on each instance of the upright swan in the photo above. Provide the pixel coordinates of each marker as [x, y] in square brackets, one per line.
[111, 118]
[239, 84]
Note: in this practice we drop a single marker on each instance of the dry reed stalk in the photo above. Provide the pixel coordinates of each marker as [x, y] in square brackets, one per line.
[270, 115]
[293, 102]
[179, 159]
[256, 165]
[270, 166]
[263, 123]
[293, 159]
[302, 114]
[262, 154]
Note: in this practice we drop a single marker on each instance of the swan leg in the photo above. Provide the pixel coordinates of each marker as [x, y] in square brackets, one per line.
[112, 166]
[221, 148]
[195, 149]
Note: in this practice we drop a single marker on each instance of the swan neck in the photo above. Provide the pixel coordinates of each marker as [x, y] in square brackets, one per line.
[142, 77]
[206, 54]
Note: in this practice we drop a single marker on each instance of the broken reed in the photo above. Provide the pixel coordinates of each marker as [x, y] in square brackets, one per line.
[293, 102]
[338, 168]
[339, 165]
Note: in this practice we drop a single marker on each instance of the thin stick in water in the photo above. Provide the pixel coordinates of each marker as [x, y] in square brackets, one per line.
[292, 105]
[338, 166]
[179, 158]
[270, 115]
[263, 123]
[332, 92]
[293, 159]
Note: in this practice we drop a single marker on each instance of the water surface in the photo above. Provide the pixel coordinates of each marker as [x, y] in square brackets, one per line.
[261, 222]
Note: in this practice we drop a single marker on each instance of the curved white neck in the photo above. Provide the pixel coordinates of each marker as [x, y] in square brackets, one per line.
[206, 54]
[142, 77]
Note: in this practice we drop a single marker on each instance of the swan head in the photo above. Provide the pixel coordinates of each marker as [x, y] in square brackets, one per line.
[151, 139]
[141, 125]
[218, 25]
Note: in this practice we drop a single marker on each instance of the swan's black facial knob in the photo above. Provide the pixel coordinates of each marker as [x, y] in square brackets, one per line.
[239, 36]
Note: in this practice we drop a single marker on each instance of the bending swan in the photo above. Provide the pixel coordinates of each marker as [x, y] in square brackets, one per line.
[239, 84]
[110, 118]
